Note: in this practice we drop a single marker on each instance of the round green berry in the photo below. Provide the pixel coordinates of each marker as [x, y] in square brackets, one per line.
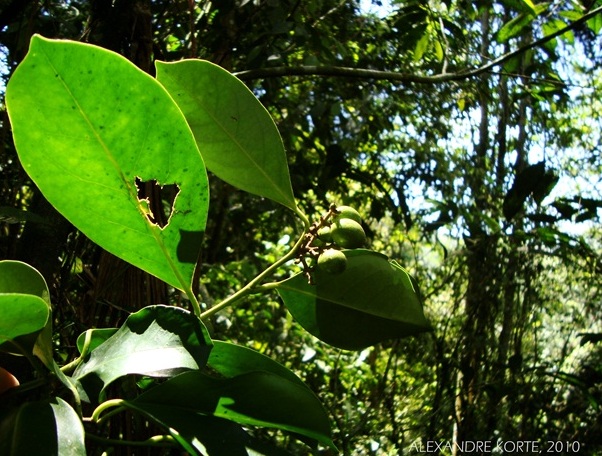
[332, 261]
[348, 233]
[349, 213]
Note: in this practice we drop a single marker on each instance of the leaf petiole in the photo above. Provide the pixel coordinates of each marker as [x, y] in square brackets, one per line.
[254, 286]
[117, 403]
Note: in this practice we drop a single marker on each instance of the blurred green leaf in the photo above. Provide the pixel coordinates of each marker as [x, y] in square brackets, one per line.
[595, 24]
[14, 215]
[515, 26]
[157, 341]
[101, 125]
[41, 428]
[234, 132]
[551, 26]
[371, 301]
[422, 45]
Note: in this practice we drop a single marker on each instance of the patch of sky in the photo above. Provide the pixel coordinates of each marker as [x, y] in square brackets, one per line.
[3, 68]
[380, 9]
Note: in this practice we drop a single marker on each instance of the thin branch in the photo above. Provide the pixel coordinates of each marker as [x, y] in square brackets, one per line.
[364, 73]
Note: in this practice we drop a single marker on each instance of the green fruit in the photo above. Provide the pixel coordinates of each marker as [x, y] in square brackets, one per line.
[349, 213]
[324, 234]
[348, 233]
[317, 242]
[332, 261]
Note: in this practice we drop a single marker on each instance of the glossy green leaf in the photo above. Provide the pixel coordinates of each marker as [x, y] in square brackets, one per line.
[235, 134]
[41, 428]
[19, 277]
[24, 308]
[157, 341]
[231, 360]
[22, 317]
[254, 398]
[371, 301]
[87, 126]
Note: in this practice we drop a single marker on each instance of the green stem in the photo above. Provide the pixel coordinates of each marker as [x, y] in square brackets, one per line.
[303, 218]
[96, 418]
[196, 306]
[68, 368]
[253, 286]
[267, 286]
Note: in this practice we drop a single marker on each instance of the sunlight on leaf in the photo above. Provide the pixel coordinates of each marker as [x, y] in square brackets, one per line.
[100, 125]
[235, 134]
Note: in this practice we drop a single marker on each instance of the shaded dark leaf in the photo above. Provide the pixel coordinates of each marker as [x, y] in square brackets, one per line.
[254, 398]
[371, 301]
[41, 428]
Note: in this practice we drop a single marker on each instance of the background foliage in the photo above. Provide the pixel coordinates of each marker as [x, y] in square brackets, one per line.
[484, 184]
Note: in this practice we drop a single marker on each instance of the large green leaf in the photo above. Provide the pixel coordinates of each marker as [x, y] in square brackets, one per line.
[41, 428]
[371, 301]
[214, 436]
[235, 134]
[24, 310]
[87, 126]
[157, 341]
[254, 398]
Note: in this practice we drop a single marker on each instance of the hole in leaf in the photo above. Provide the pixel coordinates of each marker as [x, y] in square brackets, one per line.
[157, 200]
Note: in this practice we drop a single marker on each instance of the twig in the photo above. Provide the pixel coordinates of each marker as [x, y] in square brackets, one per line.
[364, 73]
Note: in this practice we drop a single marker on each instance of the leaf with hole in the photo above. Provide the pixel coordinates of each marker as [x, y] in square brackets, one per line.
[90, 130]
[234, 132]
[371, 301]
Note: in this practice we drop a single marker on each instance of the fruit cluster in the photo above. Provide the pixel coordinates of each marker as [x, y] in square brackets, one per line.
[339, 229]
